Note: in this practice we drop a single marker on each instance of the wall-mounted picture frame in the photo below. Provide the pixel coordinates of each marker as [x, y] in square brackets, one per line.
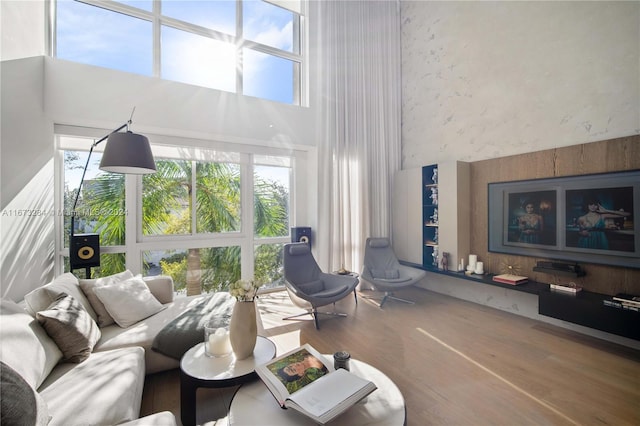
[584, 219]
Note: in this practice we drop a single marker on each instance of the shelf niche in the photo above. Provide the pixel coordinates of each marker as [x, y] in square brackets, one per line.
[412, 210]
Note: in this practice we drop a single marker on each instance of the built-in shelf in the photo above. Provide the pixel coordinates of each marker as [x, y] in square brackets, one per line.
[584, 308]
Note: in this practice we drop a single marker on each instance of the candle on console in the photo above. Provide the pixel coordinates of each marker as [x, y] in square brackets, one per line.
[473, 259]
[479, 268]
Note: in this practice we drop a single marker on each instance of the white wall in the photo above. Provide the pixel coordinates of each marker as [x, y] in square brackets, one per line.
[23, 28]
[489, 79]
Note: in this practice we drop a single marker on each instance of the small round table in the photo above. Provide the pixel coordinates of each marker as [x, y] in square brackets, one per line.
[197, 370]
[254, 404]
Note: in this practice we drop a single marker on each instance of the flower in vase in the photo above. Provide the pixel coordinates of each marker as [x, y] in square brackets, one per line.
[244, 290]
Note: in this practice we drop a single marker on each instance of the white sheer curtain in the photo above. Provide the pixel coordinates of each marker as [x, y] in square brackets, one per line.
[360, 123]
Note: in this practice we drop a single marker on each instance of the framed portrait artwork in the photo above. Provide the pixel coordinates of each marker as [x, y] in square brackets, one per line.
[588, 218]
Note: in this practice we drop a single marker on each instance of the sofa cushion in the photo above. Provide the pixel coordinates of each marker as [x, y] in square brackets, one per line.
[128, 301]
[25, 346]
[144, 332]
[87, 287]
[20, 403]
[40, 298]
[163, 418]
[71, 327]
[106, 389]
[161, 286]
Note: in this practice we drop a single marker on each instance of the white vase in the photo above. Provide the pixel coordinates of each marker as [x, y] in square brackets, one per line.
[243, 329]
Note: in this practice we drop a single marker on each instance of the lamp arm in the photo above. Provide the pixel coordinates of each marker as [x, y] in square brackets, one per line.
[86, 166]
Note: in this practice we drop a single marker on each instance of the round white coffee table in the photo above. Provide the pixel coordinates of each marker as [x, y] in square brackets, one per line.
[254, 404]
[200, 371]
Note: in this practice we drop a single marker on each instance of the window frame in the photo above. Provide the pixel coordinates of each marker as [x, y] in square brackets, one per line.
[135, 243]
[299, 60]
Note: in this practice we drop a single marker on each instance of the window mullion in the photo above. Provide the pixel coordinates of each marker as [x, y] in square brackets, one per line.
[157, 36]
[194, 178]
[239, 47]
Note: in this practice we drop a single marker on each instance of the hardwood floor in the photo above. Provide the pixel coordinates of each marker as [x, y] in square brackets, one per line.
[456, 363]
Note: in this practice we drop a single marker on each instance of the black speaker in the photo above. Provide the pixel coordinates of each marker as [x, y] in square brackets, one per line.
[301, 234]
[84, 251]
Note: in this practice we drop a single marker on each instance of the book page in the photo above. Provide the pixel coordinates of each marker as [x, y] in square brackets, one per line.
[294, 370]
[328, 392]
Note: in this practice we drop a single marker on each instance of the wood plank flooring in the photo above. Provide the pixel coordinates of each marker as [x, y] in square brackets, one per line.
[456, 363]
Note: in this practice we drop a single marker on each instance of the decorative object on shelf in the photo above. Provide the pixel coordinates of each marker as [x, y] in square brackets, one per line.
[509, 266]
[559, 268]
[243, 328]
[434, 195]
[434, 176]
[479, 270]
[435, 236]
[510, 279]
[125, 153]
[445, 261]
[473, 259]
[571, 288]
[435, 256]
[461, 266]
[434, 217]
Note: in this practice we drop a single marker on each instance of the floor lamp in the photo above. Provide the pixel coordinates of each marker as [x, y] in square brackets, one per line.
[126, 153]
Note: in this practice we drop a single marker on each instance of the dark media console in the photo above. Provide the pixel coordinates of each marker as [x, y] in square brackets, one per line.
[583, 308]
[588, 309]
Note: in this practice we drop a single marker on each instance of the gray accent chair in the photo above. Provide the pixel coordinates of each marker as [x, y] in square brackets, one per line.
[384, 272]
[310, 288]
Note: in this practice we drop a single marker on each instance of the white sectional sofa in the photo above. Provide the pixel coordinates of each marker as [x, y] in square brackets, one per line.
[104, 384]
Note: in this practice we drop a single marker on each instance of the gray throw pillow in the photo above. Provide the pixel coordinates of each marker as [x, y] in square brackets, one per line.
[71, 327]
[20, 403]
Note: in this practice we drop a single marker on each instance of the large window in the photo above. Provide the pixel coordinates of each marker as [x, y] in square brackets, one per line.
[206, 218]
[250, 47]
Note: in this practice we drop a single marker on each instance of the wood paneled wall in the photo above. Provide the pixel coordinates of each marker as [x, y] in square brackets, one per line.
[598, 157]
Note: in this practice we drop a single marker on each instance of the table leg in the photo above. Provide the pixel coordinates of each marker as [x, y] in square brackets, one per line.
[188, 389]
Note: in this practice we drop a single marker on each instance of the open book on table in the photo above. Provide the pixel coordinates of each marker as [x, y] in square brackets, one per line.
[303, 380]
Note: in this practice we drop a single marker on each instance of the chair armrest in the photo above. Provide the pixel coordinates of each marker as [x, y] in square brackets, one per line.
[161, 286]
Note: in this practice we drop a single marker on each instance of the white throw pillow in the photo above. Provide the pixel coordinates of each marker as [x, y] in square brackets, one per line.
[128, 301]
[87, 286]
[24, 345]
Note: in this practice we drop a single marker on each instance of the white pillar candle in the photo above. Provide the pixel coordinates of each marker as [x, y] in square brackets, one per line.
[479, 268]
[218, 343]
[473, 259]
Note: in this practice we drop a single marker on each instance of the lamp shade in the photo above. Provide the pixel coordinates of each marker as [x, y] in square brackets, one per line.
[128, 153]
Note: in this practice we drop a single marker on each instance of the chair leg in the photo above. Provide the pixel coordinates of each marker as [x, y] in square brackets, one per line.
[315, 318]
[314, 314]
[389, 295]
[298, 315]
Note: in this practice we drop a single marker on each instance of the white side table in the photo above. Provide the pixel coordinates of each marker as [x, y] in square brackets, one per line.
[254, 404]
[200, 371]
